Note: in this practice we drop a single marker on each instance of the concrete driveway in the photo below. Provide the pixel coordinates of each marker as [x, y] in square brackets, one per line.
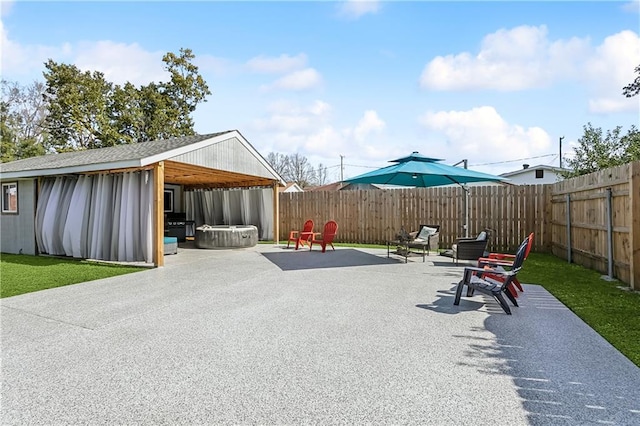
[274, 336]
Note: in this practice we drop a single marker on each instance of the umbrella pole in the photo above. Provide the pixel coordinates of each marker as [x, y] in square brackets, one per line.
[466, 210]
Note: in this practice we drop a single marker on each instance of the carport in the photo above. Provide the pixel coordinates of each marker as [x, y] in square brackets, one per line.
[109, 203]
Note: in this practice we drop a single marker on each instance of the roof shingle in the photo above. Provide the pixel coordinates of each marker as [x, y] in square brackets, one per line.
[136, 151]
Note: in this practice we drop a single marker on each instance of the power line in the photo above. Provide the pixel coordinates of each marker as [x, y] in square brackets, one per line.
[512, 161]
[471, 165]
[364, 167]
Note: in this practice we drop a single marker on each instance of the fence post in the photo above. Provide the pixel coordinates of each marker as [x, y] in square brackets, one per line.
[609, 205]
[547, 223]
[568, 220]
[634, 235]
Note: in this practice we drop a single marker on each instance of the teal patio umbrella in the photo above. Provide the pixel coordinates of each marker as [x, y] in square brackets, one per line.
[420, 171]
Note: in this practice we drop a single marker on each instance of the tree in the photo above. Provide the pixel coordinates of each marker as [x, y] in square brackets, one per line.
[79, 107]
[87, 111]
[301, 172]
[296, 168]
[633, 89]
[597, 151]
[22, 115]
[186, 89]
[280, 163]
[321, 174]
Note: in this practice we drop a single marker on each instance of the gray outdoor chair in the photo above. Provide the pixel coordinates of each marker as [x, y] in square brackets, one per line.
[491, 281]
[429, 234]
[471, 248]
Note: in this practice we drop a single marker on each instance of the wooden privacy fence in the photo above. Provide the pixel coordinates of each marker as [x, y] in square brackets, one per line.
[569, 218]
[603, 213]
[376, 216]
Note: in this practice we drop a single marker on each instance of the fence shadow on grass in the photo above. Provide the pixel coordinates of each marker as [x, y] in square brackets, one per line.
[315, 259]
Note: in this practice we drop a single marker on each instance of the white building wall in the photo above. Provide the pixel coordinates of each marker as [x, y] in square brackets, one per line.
[528, 177]
[18, 233]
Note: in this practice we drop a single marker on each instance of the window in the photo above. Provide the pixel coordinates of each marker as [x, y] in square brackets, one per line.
[168, 200]
[10, 197]
[539, 174]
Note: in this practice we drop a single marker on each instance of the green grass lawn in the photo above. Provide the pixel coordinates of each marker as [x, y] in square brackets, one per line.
[611, 311]
[23, 274]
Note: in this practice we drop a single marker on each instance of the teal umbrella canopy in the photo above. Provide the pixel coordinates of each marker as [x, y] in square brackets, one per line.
[418, 170]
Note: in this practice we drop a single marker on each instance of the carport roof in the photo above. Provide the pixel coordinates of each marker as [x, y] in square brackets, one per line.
[137, 155]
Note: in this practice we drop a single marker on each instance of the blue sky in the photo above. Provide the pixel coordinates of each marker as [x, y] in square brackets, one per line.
[496, 83]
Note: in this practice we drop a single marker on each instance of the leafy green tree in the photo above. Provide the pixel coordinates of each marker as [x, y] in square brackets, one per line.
[8, 140]
[22, 115]
[633, 89]
[185, 90]
[86, 111]
[597, 151]
[78, 108]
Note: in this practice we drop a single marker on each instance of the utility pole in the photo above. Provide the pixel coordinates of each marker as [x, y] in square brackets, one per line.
[341, 168]
[561, 137]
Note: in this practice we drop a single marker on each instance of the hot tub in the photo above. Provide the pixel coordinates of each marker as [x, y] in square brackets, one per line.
[226, 236]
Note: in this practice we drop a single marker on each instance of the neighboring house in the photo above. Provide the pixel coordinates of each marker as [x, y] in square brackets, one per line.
[533, 175]
[292, 187]
[112, 203]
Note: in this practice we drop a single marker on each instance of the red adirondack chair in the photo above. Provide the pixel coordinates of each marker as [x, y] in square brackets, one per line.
[301, 237]
[501, 260]
[327, 236]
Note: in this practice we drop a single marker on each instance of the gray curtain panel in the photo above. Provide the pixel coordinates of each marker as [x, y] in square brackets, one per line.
[232, 207]
[104, 217]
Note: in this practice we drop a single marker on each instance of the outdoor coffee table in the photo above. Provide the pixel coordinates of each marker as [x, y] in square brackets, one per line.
[406, 248]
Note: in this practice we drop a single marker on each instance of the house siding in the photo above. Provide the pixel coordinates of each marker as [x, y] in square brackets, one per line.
[18, 230]
[230, 155]
[528, 177]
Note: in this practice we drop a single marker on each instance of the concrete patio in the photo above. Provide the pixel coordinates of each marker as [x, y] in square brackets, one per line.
[275, 336]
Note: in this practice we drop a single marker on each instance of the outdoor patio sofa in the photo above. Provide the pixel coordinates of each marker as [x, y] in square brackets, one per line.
[471, 248]
[429, 234]
[418, 242]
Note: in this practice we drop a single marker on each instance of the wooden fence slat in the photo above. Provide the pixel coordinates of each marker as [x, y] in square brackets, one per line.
[375, 216]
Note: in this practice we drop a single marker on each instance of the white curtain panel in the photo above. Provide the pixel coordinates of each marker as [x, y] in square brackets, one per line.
[55, 216]
[266, 214]
[104, 217]
[77, 218]
[232, 207]
[46, 187]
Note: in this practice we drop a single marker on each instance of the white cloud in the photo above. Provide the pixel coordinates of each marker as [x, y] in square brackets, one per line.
[305, 79]
[286, 117]
[354, 9]
[26, 62]
[369, 123]
[120, 62]
[524, 58]
[278, 65]
[515, 59]
[214, 64]
[309, 130]
[632, 6]
[5, 7]
[320, 108]
[482, 133]
[609, 69]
